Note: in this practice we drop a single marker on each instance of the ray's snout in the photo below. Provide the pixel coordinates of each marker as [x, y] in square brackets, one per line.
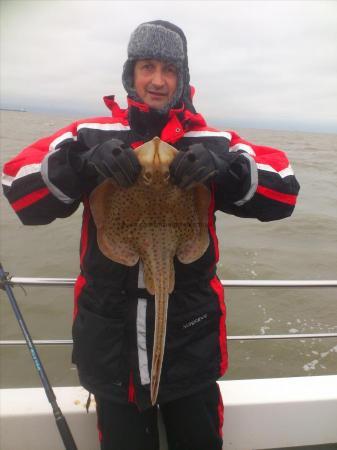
[155, 159]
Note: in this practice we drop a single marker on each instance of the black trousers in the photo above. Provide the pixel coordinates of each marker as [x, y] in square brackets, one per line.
[192, 423]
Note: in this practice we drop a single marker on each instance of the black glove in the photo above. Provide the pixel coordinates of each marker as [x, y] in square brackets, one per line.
[111, 159]
[200, 165]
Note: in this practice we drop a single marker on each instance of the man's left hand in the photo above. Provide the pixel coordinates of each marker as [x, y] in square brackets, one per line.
[200, 165]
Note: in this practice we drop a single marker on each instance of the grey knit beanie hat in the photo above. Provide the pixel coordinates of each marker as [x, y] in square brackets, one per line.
[158, 40]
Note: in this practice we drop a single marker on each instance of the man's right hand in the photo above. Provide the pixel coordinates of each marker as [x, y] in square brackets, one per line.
[111, 159]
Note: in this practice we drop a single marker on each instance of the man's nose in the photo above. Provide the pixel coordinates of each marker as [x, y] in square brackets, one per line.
[158, 79]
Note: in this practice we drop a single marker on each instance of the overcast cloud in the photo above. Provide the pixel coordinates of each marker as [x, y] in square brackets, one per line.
[254, 63]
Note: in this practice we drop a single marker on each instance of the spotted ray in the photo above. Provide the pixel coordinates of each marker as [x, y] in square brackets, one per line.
[153, 221]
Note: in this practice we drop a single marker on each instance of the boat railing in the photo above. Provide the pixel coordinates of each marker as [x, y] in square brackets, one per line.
[69, 282]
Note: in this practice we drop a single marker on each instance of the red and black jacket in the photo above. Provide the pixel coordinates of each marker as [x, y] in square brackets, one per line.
[114, 315]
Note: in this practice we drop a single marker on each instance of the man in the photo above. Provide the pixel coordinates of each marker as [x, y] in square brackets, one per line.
[114, 314]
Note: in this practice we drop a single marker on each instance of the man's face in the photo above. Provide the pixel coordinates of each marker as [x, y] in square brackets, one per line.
[155, 82]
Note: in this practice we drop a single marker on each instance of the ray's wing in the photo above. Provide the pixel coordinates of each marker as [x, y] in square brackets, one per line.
[191, 250]
[112, 247]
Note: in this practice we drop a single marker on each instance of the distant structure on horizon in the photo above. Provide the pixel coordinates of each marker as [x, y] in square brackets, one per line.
[14, 109]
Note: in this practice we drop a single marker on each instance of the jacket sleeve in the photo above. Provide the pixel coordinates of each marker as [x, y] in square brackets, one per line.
[39, 182]
[270, 189]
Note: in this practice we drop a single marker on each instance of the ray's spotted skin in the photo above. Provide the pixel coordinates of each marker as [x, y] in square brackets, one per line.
[153, 221]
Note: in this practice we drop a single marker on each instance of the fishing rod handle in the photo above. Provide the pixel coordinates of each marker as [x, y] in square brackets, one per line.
[64, 430]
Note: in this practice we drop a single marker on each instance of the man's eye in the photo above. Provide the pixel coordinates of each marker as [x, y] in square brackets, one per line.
[171, 69]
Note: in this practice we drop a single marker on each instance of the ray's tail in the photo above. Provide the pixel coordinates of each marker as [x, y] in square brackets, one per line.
[162, 290]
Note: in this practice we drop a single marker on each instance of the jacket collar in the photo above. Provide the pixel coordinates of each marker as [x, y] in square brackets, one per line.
[147, 124]
[116, 111]
[145, 108]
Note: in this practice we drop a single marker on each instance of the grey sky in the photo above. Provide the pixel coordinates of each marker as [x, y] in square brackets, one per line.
[269, 64]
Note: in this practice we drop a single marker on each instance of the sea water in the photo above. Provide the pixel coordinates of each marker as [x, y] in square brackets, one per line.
[302, 247]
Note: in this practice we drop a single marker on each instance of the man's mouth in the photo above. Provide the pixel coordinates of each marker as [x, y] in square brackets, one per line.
[157, 94]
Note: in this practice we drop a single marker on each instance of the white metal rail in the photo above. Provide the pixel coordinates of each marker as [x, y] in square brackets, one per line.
[69, 282]
[29, 281]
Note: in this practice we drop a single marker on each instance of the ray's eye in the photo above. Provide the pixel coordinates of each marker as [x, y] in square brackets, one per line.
[148, 176]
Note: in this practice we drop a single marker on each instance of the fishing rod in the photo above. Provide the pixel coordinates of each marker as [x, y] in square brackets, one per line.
[61, 422]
